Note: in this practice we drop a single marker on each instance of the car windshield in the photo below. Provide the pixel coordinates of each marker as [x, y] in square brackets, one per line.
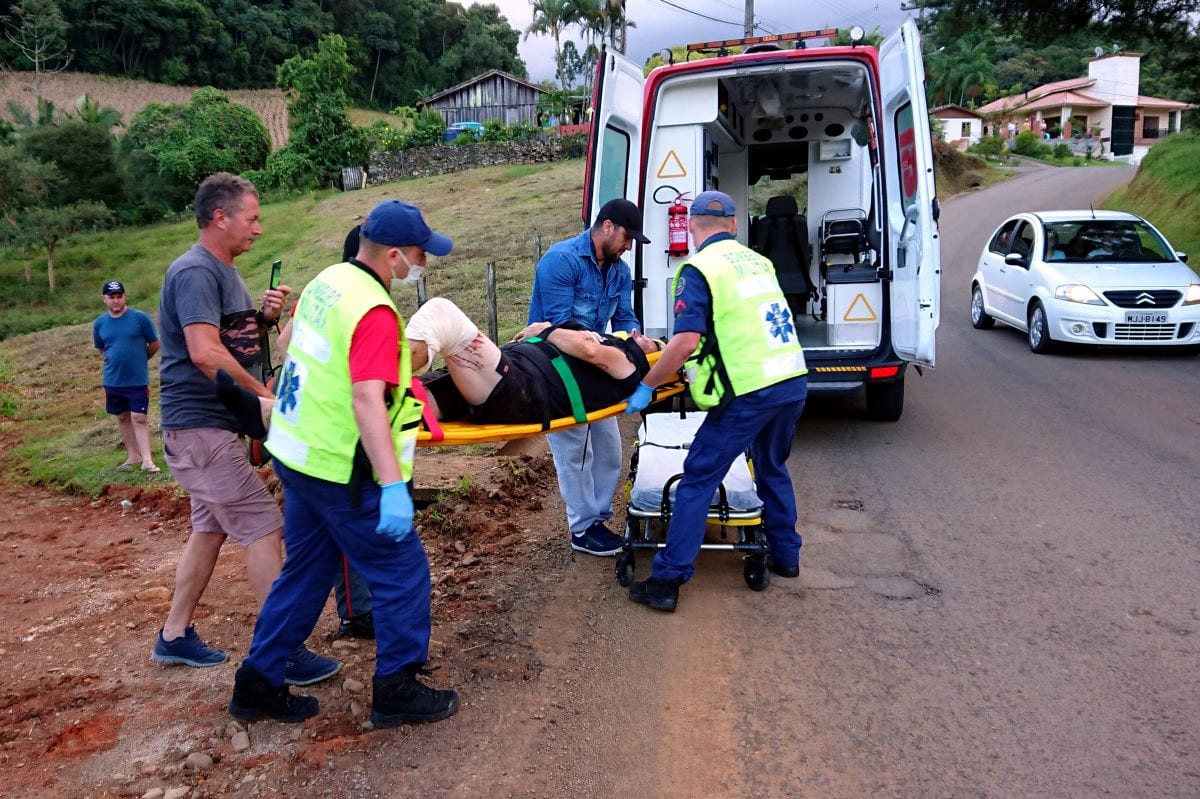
[1109, 240]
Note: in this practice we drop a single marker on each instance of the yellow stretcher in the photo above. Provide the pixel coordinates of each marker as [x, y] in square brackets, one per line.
[458, 433]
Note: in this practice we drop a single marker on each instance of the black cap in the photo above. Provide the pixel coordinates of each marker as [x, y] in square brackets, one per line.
[113, 287]
[625, 214]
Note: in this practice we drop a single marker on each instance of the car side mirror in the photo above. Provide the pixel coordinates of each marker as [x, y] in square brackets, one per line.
[1016, 259]
[1181, 256]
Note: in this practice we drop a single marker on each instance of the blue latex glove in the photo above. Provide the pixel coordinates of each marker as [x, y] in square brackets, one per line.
[639, 399]
[395, 511]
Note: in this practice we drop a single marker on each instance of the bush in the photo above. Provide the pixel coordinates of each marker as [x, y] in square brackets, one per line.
[387, 138]
[1062, 151]
[86, 157]
[575, 145]
[171, 148]
[1030, 144]
[988, 147]
[494, 131]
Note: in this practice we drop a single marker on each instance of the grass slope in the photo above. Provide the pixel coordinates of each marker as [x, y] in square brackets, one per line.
[53, 428]
[1167, 192]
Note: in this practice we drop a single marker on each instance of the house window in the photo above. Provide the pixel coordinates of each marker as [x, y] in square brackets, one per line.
[965, 133]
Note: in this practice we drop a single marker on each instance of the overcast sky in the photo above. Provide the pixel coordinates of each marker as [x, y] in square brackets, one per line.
[663, 23]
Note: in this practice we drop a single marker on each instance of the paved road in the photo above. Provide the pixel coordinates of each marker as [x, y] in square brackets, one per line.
[998, 599]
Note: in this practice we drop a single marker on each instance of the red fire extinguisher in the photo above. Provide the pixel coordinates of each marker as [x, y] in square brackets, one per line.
[677, 229]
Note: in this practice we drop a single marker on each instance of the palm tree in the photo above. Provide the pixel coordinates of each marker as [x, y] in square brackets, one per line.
[92, 112]
[552, 17]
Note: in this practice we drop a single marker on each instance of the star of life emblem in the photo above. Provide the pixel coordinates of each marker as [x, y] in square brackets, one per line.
[777, 322]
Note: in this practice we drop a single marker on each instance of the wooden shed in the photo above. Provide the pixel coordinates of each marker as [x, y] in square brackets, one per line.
[492, 95]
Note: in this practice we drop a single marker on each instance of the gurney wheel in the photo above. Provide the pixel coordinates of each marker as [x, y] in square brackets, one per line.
[755, 572]
[625, 569]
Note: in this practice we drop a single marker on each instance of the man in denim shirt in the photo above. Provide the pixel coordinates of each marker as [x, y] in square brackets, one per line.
[584, 280]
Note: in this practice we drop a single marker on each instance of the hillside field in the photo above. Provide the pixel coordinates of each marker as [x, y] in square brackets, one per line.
[131, 96]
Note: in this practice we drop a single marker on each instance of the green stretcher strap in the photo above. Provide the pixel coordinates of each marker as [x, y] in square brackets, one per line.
[568, 379]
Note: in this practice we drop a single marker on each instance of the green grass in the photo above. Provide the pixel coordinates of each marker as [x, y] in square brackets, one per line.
[53, 428]
[1166, 191]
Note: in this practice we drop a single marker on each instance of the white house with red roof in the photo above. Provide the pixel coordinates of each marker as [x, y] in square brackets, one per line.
[1105, 105]
[961, 127]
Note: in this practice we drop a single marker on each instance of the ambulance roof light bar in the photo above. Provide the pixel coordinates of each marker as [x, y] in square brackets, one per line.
[798, 39]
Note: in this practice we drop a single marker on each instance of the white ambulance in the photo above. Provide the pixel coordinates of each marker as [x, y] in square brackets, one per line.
[827, 153]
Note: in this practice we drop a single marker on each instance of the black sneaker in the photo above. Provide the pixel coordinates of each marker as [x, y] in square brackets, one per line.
[360, 626]
[402, 697]
[597, 540]
[254, 698]
[658, 594]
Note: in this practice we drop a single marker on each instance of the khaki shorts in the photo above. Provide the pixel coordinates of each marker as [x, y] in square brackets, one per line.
[227, 495]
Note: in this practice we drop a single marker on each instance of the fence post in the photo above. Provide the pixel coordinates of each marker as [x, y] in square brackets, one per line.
[422, 292]
[538, 247]
[493, 321]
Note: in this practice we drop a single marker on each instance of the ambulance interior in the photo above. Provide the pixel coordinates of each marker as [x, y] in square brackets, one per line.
[789, 143]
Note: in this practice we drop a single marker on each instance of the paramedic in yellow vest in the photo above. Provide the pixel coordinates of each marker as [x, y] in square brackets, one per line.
[343, 432]
[745, 367]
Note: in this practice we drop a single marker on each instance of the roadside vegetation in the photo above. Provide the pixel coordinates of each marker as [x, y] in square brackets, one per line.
[1165, 192]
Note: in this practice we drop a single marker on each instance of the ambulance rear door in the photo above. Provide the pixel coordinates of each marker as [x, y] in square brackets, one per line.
[913, 243]
[615, 146]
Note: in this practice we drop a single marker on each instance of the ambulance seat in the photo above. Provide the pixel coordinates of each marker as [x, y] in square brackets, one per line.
[782, 236]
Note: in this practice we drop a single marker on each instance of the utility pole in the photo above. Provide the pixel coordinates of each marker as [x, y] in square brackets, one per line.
[919, 6]
[749, 26]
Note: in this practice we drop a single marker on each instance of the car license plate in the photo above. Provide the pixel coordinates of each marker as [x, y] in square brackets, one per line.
[1145, 317]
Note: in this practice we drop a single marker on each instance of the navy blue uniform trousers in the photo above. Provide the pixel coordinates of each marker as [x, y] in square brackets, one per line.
[765, 422]
[319, 524]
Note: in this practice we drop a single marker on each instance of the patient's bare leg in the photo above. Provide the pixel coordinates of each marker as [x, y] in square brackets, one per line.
[471, 357]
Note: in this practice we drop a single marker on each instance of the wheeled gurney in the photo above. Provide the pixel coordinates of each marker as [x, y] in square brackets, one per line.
[655, 468]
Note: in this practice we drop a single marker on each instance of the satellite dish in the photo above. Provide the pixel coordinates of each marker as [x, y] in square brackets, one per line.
[1099, 51]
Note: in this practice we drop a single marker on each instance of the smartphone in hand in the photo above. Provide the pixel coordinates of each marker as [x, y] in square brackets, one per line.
[276, 269]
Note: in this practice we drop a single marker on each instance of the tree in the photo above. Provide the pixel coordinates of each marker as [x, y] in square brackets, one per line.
[323, 140]
[86, 158]
[552, 17]
[24, 183]
[51, 226]
[171, 148]
[91, 112]
[39, 33]
[1043, 22]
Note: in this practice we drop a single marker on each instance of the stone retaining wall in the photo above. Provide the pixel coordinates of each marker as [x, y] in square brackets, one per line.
[426, 161]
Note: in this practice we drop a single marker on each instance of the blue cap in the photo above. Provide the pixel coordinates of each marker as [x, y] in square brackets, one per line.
[713, 203]
[398, 224]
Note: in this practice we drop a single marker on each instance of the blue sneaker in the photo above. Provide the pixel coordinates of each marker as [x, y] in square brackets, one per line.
[305, 667]
[188, 650]
[597, 540]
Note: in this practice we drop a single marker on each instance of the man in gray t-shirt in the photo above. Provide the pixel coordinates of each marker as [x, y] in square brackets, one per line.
[208, 323]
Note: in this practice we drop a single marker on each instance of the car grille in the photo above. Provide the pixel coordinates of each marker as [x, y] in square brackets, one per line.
[1163, 298]
[1143, 332]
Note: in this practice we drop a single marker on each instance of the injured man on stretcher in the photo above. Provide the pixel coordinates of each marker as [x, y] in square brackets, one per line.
[546, 371]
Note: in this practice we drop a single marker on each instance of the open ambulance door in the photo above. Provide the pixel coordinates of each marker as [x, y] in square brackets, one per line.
[615, 145]
[913, 241]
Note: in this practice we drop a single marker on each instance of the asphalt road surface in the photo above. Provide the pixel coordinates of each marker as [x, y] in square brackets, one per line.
[998, 599]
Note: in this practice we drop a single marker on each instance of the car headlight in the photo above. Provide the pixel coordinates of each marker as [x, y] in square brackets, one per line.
[1192, 295]
[1077, 292]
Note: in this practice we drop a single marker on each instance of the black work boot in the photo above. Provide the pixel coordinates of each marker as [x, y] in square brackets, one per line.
[254, 698]
[360, 626]
[658, 594]
[403, 698]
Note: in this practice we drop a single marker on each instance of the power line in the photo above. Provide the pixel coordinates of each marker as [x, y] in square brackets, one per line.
[757, 25]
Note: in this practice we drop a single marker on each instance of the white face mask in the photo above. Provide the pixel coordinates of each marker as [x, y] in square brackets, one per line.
[415, 273]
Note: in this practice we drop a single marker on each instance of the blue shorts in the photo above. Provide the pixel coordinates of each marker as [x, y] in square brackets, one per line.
[126, 399]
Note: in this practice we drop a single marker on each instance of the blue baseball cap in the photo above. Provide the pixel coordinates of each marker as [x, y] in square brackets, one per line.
[398, 224]
[713, 203]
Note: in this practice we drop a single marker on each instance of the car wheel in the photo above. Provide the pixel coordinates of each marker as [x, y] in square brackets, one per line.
[1039, 330]
[885, 401]
[980, 319]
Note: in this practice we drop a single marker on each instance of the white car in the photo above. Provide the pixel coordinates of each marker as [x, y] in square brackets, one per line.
[1087, 277]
